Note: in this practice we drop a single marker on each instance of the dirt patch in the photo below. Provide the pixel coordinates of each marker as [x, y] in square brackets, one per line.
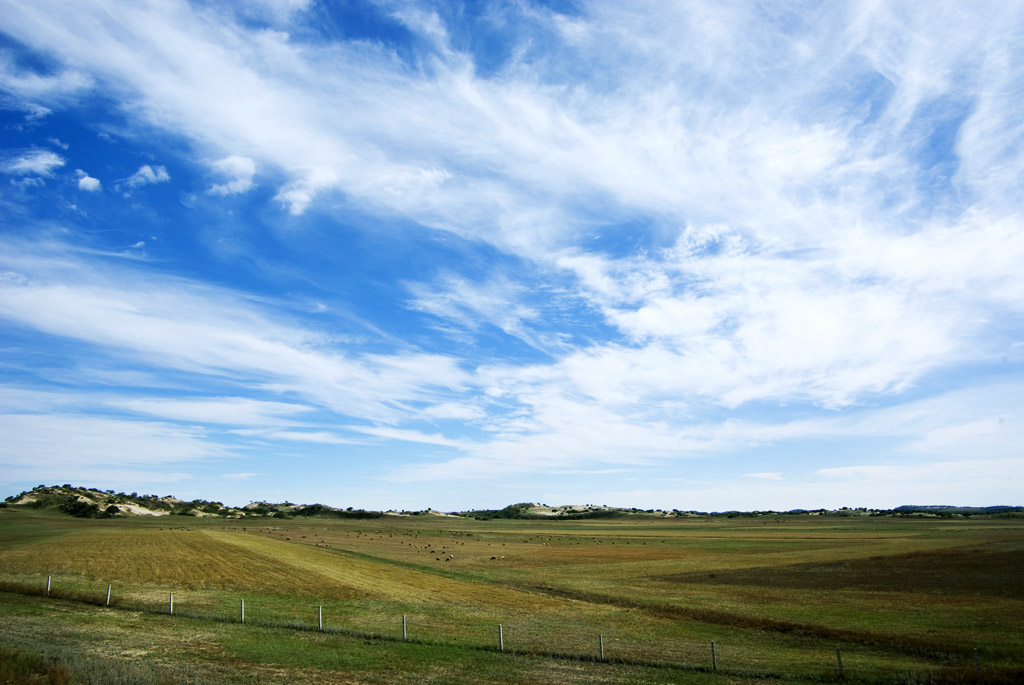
[140, 511]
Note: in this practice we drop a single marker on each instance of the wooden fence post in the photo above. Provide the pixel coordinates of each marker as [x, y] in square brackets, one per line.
[243, 611]
[108, 595]
[600, 639]
[320, 618]
[405, 632]
[170, 604]
[714, 657]
[839, 658]
[501, 639]
[47, 586]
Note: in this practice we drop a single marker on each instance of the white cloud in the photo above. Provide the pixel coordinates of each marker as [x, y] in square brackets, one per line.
[968, 482]
[38, 162]
[36, 112]
[90, 184]
[277, 11]
[497, 302]
[245, 475]
[238, 171]
[406, 435]
[126, 479]
[460, 411]
[555, 428]
[87, 182]
[28, 182]
[52, 442]
[657, 133]
[237, 411]
[307, 436]
[29, 86]
[793, 247]
[147, 175]
[861, 314]
[972, 483]
[177, 324]
[773, 475]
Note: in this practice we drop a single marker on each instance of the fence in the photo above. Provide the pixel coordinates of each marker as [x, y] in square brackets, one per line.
[521, 637]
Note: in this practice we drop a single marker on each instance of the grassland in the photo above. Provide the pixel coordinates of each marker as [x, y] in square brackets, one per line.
[905, 600]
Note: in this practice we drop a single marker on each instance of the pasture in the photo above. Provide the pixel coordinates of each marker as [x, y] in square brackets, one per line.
[903, 599]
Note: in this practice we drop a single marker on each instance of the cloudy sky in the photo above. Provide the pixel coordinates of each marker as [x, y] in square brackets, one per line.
[695, 255]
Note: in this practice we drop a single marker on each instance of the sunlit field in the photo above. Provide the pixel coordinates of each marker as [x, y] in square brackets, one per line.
[901, 599]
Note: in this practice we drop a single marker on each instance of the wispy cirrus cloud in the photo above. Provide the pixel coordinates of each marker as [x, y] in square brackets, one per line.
[28, 86]
[37, 162]
[244, 475]
[176, 324]
[556, 428]
[816, 219]
[770, 475]
[235, 411]
[49, 445]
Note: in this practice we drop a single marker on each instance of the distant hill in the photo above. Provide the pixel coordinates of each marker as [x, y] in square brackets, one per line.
[529, 510]
[945, 510]
[93, 503]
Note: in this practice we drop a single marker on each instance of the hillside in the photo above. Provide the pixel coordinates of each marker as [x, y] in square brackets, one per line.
[93, 503]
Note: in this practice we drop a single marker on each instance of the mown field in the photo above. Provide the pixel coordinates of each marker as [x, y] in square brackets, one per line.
[903, 600]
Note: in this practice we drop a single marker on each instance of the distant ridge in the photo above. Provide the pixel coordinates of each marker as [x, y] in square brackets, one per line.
[94, 503]
[948, 509]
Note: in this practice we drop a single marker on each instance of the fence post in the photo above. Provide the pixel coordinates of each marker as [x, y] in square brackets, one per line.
[320, 618]
[405, 632]
[714, 657]
[501, 639]
[47, 586]
[243, 611]
[839, 658]
[600, 639]
[108, 595]
[170, 604]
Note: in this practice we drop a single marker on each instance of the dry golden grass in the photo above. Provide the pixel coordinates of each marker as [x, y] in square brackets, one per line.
[775, 595]
[238, 561]
[182, 558]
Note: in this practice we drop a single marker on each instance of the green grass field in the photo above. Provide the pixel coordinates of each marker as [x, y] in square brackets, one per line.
[904, 600]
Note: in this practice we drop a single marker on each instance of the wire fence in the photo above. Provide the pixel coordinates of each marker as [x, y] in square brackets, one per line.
[516, 635]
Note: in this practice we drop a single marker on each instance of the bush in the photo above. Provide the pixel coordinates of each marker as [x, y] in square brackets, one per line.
[81, 509]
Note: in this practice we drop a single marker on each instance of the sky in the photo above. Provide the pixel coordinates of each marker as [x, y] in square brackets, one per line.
[398, 254]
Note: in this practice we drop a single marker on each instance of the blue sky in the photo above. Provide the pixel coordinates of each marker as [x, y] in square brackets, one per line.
[692, 255]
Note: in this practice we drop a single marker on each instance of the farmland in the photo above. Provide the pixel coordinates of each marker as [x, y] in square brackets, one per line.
[903, 599]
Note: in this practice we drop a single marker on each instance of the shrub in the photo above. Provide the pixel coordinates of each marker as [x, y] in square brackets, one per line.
[81, 509]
